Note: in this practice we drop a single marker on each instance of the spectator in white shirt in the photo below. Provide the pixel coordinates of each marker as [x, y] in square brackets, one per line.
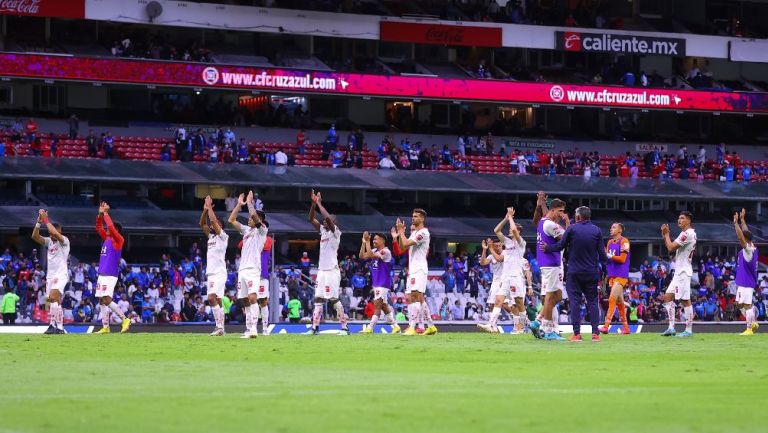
[281, 158]
[702, 157]
[386, 163]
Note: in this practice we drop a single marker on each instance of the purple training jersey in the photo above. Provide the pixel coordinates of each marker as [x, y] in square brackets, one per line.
[551, 259]
[746, 270]
[381, 269]
[109, 261]
[616, 269]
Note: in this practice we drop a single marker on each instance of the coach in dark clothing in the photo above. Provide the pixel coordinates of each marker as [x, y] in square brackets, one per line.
[586, 258]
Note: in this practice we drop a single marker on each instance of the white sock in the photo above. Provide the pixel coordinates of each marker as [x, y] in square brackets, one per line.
[53, 313]
[248, 318]
[670, 307]
[374, 320]
[688, 318]
[104, 310]
[265, 316]
[414, 311]
[391, 318]
[495, 313]
[115, 309]
[515, 321]
[218, 316]
[555, 319]
[750, 315]
[548, 325]
[427, 314]
[254, 316]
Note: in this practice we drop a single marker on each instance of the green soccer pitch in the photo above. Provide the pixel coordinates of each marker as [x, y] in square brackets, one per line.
[472, 382]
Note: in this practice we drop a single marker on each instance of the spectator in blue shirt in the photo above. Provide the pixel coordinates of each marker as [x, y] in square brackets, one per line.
[337, 158]
[358, 282]
[728, 172]
[746, 173]
[449, 279]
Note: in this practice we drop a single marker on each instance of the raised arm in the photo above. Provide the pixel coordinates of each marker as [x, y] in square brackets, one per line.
[250, 203]
[743, 218]
[541, 207]
[500, 226]
[313, 212]
[671, 246]
[512, 226]
[403, 241]
[116, 236]
[100, 223]
[204, 219]
[736, 226]
[236, 210]
[36, 231]
[364, 246]
[55, 235]
[321, 208]
[483, 259]
[212, 218]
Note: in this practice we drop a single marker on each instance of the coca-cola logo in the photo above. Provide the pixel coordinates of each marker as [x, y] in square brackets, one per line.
[26, 7]
[445, 35]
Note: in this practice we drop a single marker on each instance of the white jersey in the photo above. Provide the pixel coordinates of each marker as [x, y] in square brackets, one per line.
[683, 256]
[497, 269]
[513, 256]
[58, 254]
[217, 249]
[417, 254]
[253, 243]
[329, 249]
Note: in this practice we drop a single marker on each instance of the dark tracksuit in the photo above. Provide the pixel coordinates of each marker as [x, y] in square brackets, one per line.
[585, 260]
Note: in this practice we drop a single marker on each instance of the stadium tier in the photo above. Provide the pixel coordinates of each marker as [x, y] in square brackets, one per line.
[533, 215]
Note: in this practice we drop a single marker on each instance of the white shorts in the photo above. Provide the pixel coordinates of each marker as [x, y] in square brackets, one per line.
[495, 287]
[551, 280]
[417, 282]
[264, 288]
[216, 285]
[55, 282]
[248, 282]
[380, 293]
[515, 286]
[744, 295]
[328, 282]
[105, 286]
[680, 286]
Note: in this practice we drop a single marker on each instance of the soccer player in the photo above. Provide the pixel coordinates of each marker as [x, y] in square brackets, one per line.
[381, 276]
[266, 261]
[249, 273]
[109, 262]
[520, 300]
[680, 288]
[216, 268]
[746, 272]
[497, 295]
[57, 277]
[328, 273]
[617, 251]
[548, 231]
[418, 270]
[513, 283]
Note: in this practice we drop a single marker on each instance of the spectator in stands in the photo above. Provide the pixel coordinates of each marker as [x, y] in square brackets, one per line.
[107, 144]
[281, 158]
[31, 130]
[91, 143]
[628, 79]
[74, 126]
[457, 313]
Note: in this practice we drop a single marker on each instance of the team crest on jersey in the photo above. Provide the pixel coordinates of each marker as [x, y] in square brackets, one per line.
[250, 284]
[419, 237]
[413, 280]
[261, 288]
[327, 289]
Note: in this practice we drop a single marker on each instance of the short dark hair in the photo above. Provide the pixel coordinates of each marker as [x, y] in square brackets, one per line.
[381, 235]
[584, 212]
[747, 235]
[620, 225]
[687, 215]
[421, 212]
[556, 203]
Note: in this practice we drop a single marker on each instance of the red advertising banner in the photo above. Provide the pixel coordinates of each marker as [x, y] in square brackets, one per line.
[44, 8]
[440, 34]
[147, 72]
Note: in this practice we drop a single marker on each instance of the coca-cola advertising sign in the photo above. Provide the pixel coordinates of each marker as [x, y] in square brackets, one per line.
[440, 34]
[44, 8]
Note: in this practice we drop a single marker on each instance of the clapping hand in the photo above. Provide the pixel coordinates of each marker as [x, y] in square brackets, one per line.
[241, 200]
[664, 230]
